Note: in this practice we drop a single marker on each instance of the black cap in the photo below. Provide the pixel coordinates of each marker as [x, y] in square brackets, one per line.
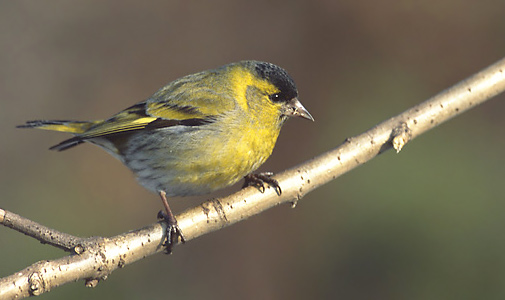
[278, 77]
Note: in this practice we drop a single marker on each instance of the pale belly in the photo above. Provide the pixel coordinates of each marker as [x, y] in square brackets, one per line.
[192, 162]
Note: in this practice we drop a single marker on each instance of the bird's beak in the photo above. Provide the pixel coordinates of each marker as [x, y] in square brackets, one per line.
[296, 109]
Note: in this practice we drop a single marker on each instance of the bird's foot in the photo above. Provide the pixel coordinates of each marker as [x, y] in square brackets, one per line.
[259, 180]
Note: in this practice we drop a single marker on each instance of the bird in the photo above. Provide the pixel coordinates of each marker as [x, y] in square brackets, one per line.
[197, 134]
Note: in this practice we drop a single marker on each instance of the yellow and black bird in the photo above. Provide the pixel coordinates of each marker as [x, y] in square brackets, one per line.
[197, 134]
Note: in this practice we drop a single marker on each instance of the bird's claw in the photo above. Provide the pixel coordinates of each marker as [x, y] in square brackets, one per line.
[173, 232]
[259, 180]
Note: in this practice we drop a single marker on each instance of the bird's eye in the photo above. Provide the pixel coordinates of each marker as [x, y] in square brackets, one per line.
[274, 97]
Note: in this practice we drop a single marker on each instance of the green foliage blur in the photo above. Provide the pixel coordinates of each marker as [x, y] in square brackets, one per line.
[426, 223]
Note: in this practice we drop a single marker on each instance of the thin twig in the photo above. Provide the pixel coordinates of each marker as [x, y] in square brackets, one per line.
[99, 257]
[40, 232]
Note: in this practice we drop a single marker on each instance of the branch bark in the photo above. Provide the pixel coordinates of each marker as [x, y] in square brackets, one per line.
[94, 259]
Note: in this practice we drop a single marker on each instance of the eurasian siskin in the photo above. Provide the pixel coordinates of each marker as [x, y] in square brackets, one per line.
[197, 134]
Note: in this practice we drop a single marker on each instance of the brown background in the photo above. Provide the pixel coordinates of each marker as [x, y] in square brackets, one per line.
[427, 223]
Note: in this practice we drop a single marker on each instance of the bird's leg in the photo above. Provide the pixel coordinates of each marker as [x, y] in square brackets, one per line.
[259, 180]
[173, 230]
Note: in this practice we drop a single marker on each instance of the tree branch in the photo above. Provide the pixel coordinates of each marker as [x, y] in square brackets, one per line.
[40, 232]
[94, 259]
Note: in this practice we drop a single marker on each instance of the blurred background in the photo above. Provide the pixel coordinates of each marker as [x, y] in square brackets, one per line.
[427, 223]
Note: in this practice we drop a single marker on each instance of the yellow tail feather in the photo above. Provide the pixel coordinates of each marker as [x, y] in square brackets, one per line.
[75, 127]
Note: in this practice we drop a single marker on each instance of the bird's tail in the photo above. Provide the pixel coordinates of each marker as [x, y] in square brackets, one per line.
[74, 127]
